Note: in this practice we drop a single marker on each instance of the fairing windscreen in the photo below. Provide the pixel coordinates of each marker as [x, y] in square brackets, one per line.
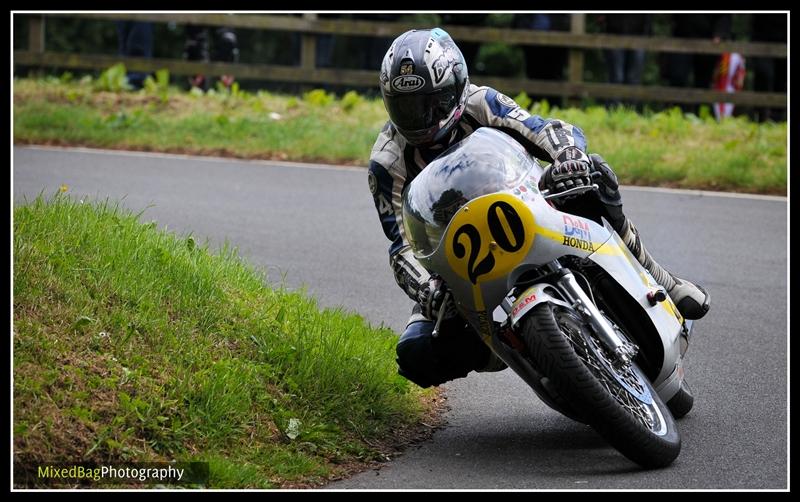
[485, 162]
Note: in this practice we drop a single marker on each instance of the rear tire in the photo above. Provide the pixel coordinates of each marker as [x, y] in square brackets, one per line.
[681, 403]
[563, 348]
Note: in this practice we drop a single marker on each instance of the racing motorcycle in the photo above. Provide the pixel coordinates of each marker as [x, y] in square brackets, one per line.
[559, 298]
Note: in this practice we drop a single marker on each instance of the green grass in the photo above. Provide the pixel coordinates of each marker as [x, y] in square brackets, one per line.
[663, 149]
[134, 344]
[672, 149]
[314, 127]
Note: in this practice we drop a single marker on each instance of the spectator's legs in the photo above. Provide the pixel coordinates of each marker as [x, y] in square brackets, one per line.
[135, 40]
[226, 49]
[634, 69]
[196, 49]
[123, 28]
[615, 64]
[615, 61]
[634, 66]
[324, 54]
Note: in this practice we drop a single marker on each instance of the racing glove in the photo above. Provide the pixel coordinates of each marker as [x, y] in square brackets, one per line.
[571, 168]
[432, 295]
[606, 180]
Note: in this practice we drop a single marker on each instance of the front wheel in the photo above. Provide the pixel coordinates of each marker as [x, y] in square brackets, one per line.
[619, 401]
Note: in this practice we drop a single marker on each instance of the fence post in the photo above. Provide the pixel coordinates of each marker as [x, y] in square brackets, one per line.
[578, 26]
[308, 55]
[36, 34]
[308, 52]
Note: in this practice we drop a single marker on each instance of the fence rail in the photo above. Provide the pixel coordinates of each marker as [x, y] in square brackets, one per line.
[309, 25]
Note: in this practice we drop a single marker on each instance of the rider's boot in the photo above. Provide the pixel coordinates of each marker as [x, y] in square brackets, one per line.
[692, 301]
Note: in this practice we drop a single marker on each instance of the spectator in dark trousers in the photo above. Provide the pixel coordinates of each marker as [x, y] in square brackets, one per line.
[226, 49]
[625, 66]
[135, 40]
[769, 73]
[326, 44]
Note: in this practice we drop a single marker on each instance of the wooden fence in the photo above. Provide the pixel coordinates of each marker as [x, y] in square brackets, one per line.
[308, 73]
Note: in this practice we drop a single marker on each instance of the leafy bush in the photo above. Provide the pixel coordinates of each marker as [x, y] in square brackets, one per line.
[541, 108]
[523, 100]
[114, 79]
[350, 100]
[159, 85]
[318, 97]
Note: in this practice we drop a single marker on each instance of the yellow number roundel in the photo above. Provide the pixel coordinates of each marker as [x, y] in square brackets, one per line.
[488, 237]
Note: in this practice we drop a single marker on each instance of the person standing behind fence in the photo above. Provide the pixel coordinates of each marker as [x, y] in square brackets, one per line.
[226, 49]
[135, 41]
[769, 73]
[728, 77]
[625, 66]
[700, 67]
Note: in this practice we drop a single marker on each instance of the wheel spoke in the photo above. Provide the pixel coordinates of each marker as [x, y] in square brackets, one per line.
[589, 357]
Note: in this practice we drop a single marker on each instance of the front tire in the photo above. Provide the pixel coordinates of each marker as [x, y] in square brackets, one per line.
[620, 403]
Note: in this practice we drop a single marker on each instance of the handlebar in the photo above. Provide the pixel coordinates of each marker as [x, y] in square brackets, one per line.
[572, 191]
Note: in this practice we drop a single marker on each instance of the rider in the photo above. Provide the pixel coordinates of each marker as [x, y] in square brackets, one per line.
[432, 105]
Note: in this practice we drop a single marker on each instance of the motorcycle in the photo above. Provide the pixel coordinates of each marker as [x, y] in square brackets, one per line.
[557, 297]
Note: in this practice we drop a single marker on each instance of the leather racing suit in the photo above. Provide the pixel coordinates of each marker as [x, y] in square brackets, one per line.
[423, 359]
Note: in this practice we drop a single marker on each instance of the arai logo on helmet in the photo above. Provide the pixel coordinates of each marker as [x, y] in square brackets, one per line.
[407, 83]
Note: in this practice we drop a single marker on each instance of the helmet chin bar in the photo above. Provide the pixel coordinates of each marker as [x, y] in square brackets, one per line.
[447, 123]
[418, 138]
[442, 129]
[455, 115]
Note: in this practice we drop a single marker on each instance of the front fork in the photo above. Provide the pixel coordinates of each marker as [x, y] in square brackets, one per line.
[621, 350]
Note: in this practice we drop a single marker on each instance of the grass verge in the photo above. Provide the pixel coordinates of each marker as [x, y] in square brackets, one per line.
[668, 148]
[132, 344]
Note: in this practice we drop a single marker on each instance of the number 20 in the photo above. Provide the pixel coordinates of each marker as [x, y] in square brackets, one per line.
[506, 229]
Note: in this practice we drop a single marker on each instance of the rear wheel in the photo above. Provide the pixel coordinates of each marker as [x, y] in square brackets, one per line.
[618, 400]
[681, 403]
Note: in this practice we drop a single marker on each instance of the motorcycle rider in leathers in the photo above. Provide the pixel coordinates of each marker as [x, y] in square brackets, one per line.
[432, 105]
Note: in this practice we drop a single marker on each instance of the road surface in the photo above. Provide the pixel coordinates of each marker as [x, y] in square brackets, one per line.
[317, 227]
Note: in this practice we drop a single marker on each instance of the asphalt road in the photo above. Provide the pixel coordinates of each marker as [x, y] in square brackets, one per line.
[317, 227]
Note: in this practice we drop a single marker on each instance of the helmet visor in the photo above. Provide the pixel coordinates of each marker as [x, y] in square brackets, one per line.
[420, 112]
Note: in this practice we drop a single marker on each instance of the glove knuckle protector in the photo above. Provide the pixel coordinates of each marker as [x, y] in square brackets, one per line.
[570, 168]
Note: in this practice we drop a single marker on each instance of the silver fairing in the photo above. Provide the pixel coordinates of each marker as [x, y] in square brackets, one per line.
[486, 164]
[476, 217]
